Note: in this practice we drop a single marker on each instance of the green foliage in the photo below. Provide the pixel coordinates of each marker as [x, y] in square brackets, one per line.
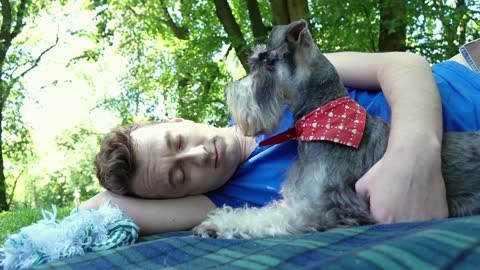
[12, 221]
[435, 27]
[346, 26]
[180, 60]
[18, 152]
[78, 147]
[15, 62]
[180, 56]
[17, 140]
[173, 71]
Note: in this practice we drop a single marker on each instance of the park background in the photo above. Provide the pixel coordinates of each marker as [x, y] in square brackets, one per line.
[72, 70]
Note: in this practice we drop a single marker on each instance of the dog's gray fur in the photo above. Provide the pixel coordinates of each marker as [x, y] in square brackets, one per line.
[319, 192]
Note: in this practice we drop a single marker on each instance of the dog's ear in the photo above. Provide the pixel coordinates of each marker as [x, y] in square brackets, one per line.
[296, 30]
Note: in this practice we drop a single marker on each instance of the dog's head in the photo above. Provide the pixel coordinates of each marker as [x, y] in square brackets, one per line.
[281, 71]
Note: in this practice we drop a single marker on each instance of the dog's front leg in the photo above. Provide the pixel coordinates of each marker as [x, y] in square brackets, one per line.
[278, 218]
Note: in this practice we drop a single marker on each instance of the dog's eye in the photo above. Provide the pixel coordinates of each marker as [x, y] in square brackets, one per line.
[267, 58]
[263, 56]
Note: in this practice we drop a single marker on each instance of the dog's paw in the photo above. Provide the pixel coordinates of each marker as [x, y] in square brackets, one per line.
[204, 232]
[209, 229]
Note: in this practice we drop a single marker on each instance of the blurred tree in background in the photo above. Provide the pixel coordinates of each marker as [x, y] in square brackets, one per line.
[181, 55]
[15, 63]
[78, 146]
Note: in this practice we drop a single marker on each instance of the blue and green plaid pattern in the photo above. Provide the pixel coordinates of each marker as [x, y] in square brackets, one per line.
[468, 57]
[444, 244]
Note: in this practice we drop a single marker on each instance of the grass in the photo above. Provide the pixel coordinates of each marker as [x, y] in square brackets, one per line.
[12, 221]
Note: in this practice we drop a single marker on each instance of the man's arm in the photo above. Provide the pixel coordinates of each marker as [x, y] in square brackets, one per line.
[406, 184]
[157, 216]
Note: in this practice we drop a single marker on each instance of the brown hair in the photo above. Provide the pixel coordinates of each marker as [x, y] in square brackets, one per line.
[115, 163]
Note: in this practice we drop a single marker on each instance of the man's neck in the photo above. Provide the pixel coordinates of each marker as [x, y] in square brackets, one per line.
[247, 144]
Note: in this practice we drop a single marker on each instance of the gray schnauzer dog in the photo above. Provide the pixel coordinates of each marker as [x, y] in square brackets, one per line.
[319, 192]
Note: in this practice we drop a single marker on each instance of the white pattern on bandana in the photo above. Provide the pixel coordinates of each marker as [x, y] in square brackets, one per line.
[340, 121]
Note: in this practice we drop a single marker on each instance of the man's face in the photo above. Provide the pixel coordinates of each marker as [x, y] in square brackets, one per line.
[177, 159]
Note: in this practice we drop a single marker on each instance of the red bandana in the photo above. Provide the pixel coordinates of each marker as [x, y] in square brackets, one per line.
[341, 121]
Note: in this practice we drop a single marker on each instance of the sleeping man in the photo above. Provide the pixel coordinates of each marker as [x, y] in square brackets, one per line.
[168, 175]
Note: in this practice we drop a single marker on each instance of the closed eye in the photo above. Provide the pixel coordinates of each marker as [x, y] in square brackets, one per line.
[182, 174]
[179, 142]
[179, 177]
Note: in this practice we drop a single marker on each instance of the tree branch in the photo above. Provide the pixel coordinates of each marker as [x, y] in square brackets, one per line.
[36, 61]
[19, 20]
[4, 96]
[260, 32]
[462, 25]
[450, 24]
[5, 39]
[179, 32]
[209, 84]
[6, 20]
[225, 15]
[371, 36]
[6, 36]
[10, 198]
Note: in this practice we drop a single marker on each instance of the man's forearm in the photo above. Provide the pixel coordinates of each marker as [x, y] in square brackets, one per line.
[406, 184]
[415, 104]
[157, 216]
[407, 82]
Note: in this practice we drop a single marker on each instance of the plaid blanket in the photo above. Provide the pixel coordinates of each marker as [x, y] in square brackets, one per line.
[446, 244]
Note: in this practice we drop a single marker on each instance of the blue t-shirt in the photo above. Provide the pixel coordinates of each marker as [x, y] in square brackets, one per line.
[258, 180]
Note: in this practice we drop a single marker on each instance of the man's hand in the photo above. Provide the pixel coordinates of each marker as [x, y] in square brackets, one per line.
[405, 186]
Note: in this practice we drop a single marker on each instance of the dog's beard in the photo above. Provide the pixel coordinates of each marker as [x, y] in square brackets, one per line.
[255, 104]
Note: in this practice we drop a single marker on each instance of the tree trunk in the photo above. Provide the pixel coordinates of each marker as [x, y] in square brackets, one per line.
[280, 12]
[5, 42]
[260, 32]
[287, 11]
[235, 35]
[298, 9]
[451, 24]
[178, 31]
[12, 24]
[393, 25]
[3, 188]
[461, 9]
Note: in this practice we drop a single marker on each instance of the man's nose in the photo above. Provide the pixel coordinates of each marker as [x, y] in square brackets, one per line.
[197, 154]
